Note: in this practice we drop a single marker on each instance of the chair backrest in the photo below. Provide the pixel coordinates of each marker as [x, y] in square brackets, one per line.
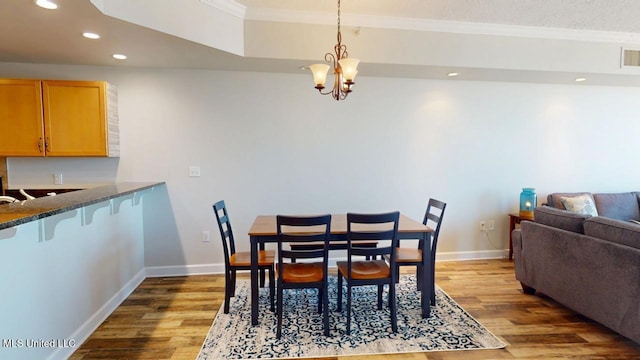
[433, 219]
[300, 230]
[378, 227]
[226, 233]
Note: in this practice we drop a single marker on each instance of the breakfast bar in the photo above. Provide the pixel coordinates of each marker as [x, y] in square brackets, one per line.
[69, 260]
[21, 212]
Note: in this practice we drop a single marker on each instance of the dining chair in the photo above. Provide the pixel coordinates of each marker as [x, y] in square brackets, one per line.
[357, 271]
[312, 271]
[406, 256]
[234, 261]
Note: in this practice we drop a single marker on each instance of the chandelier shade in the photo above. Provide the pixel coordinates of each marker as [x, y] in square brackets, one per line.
[349, 68]
[345, 69]
[319, 72]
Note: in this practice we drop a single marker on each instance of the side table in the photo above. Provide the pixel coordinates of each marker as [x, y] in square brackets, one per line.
[514, 219]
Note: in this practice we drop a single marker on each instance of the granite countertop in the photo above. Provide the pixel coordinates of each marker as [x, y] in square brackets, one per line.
[30, 210]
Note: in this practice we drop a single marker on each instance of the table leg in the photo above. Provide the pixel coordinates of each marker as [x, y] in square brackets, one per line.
[262, 271]
[512, 226]
[254, 280]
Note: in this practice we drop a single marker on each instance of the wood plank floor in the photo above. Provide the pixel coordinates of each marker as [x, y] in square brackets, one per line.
[168, 318]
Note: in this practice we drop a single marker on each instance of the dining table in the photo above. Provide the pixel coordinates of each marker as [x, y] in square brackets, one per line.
[264, 230]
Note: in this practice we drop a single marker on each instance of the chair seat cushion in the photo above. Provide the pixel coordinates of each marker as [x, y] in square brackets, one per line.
[368, 269]
[265, 258]
[301, 272]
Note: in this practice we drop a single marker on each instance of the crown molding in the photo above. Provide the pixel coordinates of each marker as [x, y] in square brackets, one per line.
[430, 25]
[229, 6]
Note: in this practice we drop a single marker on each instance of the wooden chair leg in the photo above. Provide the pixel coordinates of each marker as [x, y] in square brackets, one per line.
[433, 277]
[339, 304]
[348, 309]
[227, 290]
[320, 300]
[272, 287]
[232, 278]
[279, 310]
[262, 277]
[392, 306]
[380, 290]
[325, 305]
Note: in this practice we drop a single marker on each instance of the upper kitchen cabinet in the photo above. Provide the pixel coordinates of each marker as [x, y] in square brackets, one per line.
[58, 118]
[21, 127]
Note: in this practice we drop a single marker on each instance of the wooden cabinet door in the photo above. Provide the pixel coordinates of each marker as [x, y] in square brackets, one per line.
[21, 131]
[74, 118]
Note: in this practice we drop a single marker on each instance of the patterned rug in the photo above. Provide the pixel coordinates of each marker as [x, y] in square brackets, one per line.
[448, 328]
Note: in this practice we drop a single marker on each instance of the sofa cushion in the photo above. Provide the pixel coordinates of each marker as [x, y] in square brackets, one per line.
[554, 199]
[621, 206]
[618, 231]
[561, 219]
[582, 204]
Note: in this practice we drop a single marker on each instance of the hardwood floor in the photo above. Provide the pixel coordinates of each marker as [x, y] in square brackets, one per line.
[168, 318]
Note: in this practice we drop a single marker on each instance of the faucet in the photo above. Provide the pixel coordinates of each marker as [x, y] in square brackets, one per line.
[29, 197]
[8, 199]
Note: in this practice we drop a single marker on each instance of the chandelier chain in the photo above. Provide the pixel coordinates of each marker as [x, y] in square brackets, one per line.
[339, 21]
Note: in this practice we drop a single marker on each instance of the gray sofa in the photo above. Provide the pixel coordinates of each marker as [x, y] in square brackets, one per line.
[590, 264]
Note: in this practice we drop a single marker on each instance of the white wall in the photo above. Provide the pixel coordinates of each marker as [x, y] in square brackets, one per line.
[267, 143]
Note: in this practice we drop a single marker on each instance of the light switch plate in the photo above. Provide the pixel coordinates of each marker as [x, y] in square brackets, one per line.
[194, 171]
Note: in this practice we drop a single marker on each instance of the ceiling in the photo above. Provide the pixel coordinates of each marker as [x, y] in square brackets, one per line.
[35, 35]
[602, 15]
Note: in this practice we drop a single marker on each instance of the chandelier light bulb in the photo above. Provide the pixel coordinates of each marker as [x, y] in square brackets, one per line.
[349, 68]
[319, 72]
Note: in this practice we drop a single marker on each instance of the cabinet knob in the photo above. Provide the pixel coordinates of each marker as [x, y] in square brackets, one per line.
[46, 144]
[40, 144]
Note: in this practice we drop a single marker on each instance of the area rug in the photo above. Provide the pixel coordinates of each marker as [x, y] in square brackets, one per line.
[448, 328]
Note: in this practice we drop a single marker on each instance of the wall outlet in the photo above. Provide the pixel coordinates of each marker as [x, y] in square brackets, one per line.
[57, 179]
[491, 225]
[483, 226]
[205, 236]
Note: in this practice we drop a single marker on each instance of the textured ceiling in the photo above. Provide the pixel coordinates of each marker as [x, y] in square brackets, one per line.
[601, 15]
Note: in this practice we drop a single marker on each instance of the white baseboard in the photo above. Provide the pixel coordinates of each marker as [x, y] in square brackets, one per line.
[89, 326]
[472, 255]
[184, 270]
[208, 269]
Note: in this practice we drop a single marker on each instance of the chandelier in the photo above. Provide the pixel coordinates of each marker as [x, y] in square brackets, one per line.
[344, 69]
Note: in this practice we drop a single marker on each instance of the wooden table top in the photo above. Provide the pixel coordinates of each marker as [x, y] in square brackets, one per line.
[265, 225]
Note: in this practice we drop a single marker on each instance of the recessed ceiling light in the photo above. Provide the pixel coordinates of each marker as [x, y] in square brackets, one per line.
[452, 74]
[119, 56]
[581, 79]
[47, 4]
[90, 35]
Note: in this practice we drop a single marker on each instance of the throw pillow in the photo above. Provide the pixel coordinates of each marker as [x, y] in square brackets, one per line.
[582, 204]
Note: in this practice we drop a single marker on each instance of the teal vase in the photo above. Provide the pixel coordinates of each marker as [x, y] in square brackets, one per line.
[528, 202]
